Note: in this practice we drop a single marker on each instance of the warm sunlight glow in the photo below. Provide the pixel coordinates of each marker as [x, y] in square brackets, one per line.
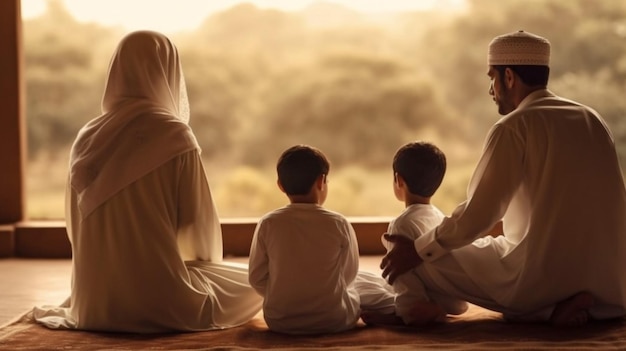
[355, 78]
[188, 14]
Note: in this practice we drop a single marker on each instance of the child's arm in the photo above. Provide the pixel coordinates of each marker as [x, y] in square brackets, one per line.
[258, 269]
[351, 266]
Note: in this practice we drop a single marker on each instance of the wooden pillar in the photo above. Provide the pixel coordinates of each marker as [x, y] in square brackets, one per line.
[12, 126]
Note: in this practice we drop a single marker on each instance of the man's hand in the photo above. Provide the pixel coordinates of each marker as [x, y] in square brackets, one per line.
[400, 259]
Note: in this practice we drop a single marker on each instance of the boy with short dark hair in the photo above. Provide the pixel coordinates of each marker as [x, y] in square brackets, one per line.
[304, 259]
[418, 170]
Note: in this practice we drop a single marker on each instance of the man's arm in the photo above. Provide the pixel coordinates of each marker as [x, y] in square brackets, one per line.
[496, 178]
[404, 256]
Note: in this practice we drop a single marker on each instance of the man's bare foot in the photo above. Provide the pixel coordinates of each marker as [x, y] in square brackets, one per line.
[375, 318]
[573, 311]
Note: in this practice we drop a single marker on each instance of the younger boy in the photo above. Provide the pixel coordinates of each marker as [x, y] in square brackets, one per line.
[418, 170]
[304, 259]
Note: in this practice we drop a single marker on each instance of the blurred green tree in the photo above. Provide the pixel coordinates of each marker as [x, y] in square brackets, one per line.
[65, 65]
[356, 86]
[358, 108]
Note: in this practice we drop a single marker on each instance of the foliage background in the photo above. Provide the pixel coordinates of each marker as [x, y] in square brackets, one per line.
[358, 86]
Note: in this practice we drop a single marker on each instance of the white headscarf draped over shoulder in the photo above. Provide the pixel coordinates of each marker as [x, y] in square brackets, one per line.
[144, 119]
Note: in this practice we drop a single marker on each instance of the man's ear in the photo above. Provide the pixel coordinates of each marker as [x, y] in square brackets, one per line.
[509, 77]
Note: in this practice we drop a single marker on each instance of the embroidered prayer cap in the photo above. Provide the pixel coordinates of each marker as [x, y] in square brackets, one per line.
[519, 48]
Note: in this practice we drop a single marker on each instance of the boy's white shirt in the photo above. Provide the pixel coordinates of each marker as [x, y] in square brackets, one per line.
[413, 222]
[303, 261]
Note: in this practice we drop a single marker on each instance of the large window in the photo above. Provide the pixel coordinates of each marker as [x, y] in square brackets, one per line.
[357, 82]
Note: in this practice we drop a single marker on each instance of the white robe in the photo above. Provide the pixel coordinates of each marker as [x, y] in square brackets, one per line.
[304, 261]
[138, 206]
[550, 171]
[129, 269]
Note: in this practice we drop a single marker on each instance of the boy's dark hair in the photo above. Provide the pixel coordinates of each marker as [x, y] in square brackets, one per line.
[529, 74]
[422, 165]
[298, 168]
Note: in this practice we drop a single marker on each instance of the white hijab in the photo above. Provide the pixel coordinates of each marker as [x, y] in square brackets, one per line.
[144, 119]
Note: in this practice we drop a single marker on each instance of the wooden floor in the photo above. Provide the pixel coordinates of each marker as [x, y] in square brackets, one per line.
[25, 283]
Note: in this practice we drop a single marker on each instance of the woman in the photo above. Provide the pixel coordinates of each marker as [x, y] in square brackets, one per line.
[146, 239]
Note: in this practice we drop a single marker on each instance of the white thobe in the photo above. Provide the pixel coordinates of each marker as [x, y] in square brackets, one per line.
[304, 261]
[550, 171]
[413, 222]
[149, 259]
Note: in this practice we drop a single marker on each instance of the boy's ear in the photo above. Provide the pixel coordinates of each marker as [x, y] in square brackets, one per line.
[399, 180]
[280, 186]
[320, 181]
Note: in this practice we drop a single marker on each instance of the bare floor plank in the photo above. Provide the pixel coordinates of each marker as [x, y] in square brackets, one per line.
[25, 283]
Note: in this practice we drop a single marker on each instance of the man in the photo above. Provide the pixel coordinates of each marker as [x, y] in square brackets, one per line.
[549, 171]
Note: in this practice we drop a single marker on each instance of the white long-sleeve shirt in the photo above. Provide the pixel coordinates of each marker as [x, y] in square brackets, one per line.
[303, 261]
[550, 170]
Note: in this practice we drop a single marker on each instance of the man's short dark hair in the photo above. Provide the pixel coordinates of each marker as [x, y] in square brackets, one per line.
[298, 168]
[531, 75]
[422, 165]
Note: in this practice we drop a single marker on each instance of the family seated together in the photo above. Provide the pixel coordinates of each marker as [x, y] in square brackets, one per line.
[147, 243]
